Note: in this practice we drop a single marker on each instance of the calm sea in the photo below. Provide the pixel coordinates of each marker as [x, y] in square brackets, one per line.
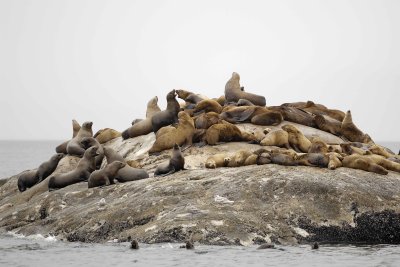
[15, 250]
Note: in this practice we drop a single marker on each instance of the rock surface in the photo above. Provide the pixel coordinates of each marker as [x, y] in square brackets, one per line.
[242, 206]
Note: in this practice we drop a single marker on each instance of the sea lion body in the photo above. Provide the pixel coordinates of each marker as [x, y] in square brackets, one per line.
[89, 142]
[105, 176]
[295, 115]
[176, 163]
[208, 105]
[318, 146]
[351, 132]
[234, 92]
[278, 138]
[239, 158]
[48, 167]
[205, 120]
[216, 161]
[27, 179]
[254, 114]
[62, 148]
[127, 173]
[327, 124]
[80, 174]
[363, 163]
[168, 116]
[74, 146]
[296, 138]
[322, 110]
[283, 159]
[106, 134]
[313, 160]
[244, 102]
[183, 134]
[226, 132]
[335, 161]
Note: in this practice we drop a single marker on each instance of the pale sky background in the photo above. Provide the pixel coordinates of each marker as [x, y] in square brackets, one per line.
[103, 60]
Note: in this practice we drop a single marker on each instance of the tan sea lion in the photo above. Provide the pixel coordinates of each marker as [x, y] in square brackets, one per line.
[105, 176]
[278, 138]
[62, 148]
[80, 174]
[176, 163]
[335, 148]
[318, 146]
[238, 158]
[181, 135]
[189, 96]
[216, 161]
[74, 146]
[335, 161]
[167, 116]
[328, 124]
[208, 105]
[89, 142]
[283, 159]
[127, 173]
[106, 134]
[348, 149]
[303, 104]
[220, 100]
[205, 120]
[297, 139]
[251, 160]
[385, 163]
[226, 132]
[379, 150]
[363, 163]
[351, 132]
[143, 127]
[233, 92]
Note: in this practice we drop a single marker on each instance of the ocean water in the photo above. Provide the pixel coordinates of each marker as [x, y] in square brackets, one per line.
[16, 250]
[43, 252]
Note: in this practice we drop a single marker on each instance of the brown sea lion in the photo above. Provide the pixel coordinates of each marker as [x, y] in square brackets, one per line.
[348, 149]
[80, 174]
[181, 135]
[244, 102]
[205, 120]
[89, 142]
[303, 104]
[351, 132]
[254, 114]
[127, 173]
[297, 139]
[226, 132]
[295, 115]
[263, 158]
[48, 167]
[220, 100]
[142, 127]
[385, 163]
[313, 160]
[105, 176]
[283, 159]
[189, 96]
[176, 163]
[27, 179]
[167, 116]
[208, 105]
[216, 161]
[251, 160]
[106, 134]
[259, 134]
[379, 150]
[74, 146]
[278, 138]
[318, 146]
[233, 92]
[333, 113]
[335, 161]
[363, 163]
[62, 148]
[328, 124]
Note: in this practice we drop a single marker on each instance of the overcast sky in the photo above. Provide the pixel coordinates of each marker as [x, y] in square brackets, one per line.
[103, 60]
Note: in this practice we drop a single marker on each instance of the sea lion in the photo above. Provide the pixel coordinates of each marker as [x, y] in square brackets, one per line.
[136, 121]
[297, 139]
[318, 146]
[221, 100]
[328, 124]
[295, 115]
[254, 114]
[216, 161]
[379, 150]
[168, 116]
[226, 132]
[30, 178]
[259, 135]
[278, 138]
[105, 176]
[127, 173]
[283, 159]
[363, 163]
[181, 135]
[176, 163]
[322, 110]
[244, 102]
[207, 105]
[238, 159]
[233, 92]
[313, 160]
[134, 244]
[351, 132]
[251, 160]
[106, 134]
[335, 161]
[335, 148]
[89, 142]
[385, 163]
[62, 148]
[189, 96]
[348, 149]
[80, 174]
[205, 120]
[142, 127]
[74, 146]
[263, 158]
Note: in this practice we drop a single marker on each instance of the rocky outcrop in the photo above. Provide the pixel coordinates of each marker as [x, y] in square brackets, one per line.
[245, 205]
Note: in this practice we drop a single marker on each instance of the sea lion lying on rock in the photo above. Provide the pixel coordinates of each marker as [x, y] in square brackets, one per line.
[105, 176]
[363, 163]
[226, 132]
[176, 163]
[217, 161]
[296, 138]
[328, 124]
[351, 132]
[254, 114]
[106, 134]
[278, 138]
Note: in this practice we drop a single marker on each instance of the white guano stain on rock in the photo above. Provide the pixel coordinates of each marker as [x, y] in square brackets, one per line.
[301, 232]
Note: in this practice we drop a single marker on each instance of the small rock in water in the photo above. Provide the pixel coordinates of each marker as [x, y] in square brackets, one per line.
[134, 244]
[315, 246]
[265, 246]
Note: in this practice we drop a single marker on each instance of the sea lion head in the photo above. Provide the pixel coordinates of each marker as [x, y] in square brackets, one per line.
[227, 160]
[87, 125]
[88, 142]
[211, 164]
[119, 164]
[171, 95]
[92, 151]
[57, 156]
[290, 129]
[235, 76]
[176, 146]
[267, 130]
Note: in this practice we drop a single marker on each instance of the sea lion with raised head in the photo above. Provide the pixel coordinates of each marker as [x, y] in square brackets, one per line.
[62, 148]
[181, 135]
[74, 146]
[80, 174]
[127, 173]
[189, 97]
[168, 116]
[296, 138]
[176, 163]
[89, 142]
[234, 92]
[142, 127]
[105, 176]
[351, 132]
